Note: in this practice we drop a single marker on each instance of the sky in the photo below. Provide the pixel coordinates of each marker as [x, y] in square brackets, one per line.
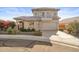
[68, 12]
[8, 13]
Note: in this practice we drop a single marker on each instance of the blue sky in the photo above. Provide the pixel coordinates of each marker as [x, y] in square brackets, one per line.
[8, 13]
[67, 12]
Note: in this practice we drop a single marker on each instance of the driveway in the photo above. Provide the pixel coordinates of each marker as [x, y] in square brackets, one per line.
[65, 38]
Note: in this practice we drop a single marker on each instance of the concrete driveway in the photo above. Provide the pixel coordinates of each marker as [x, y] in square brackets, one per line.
[65, 38]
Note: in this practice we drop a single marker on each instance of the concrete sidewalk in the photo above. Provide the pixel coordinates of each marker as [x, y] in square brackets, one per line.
[65, 38]
[24, 37]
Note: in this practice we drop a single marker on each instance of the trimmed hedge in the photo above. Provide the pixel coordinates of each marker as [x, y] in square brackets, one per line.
[27, 30]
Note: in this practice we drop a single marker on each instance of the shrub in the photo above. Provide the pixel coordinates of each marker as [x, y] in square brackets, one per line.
[27, 30]
[61, 29]
[73, 27]
[33, 29]
[9, 30]
[38, 33]
[23, 30]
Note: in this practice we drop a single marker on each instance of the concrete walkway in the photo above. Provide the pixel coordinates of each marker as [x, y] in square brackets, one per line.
[65, 38]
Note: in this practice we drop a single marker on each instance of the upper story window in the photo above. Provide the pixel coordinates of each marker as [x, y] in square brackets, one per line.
[49, 14]
[35, 14]
[43, 14]
[55, 14]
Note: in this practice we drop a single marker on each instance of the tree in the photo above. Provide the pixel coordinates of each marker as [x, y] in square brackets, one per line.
[61, 26]
[10, 30]
[73, 27]
[1, 25]
[12, 24]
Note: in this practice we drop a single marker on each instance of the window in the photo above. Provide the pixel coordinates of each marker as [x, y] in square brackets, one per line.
[48, 14]
[42, 14]
[55, 14]
[35, 14]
